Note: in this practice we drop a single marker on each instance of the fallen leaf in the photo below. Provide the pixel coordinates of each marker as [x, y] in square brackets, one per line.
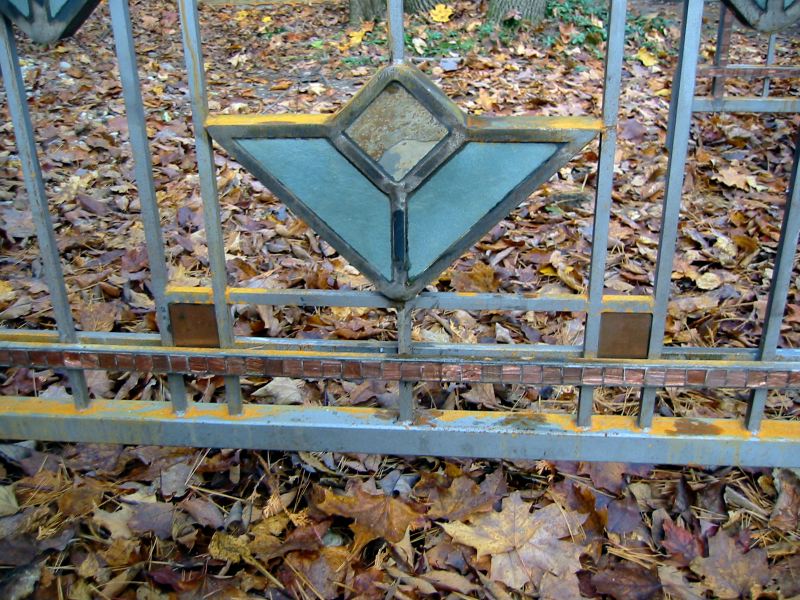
[728, 571]
[626, 581]
[8, 501]
[646, 58]
[708, 281]
[441, 13]
[786, 512]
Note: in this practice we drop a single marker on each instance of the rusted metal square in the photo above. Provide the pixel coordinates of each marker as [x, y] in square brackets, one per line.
[371, 370]
[272, 367]
[71, 359]
[716, 378]
[675, 377]
[493, 373]
[21, 358]
[613, 376]
[198, 364]
[351, 370]
[410, 371]
[794, 378]
[511, 374]
[695, 377]
[572, 375]
[634, 376]
[757, 379]
[107, 361]
[551, 375]
[532, 374]
[737, 379]
[431, 372]
[655, 376]
[38, 358]
[451, 372]
[5, 357]
[471, 372]
[179, 363]
[235, 365]
[624, 335]
[216, 364]
[194, 325]
[125, 362]
[777, 379]
[293, 368]
[391, 370]
[332, 368]
[90, 361]
[143, 363]
[160, 363]
[593, 376]
[312, 368]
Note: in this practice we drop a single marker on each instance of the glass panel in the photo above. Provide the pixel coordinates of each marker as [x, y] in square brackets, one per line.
[22, 6]
[56, 6]
[327, 184]
[396, 131]
[462, 191]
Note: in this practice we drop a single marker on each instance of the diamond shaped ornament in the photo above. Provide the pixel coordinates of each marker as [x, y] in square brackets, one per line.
[766, 15]
[400, 181]
[47, 21]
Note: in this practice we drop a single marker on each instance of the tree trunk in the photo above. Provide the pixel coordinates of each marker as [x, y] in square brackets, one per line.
[529, 10]
[420, 6]
[366, 10]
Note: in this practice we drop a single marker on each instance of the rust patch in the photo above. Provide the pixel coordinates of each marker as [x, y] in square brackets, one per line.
[686, 426]
[524, 420]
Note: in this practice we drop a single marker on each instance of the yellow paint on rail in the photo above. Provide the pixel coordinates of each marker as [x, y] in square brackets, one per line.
[248, 120]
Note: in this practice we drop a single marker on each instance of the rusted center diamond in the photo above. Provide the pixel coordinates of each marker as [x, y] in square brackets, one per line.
[396, 131]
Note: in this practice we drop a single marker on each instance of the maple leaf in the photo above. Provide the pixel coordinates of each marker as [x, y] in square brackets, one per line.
[728, 571]
[464, 497]
[441, 13]
[523, 546]
[375, 515]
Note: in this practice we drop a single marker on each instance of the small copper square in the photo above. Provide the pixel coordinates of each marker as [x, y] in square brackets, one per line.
[312, 368]
[777, 379]
[254, 366]
[593, 376]
[143, 363]
[194, 325]
[655, 376]
[71, 359]
[794, 378]
[38, 359]
[5, 357]
[624, 335]
[695, 377]
[634, 376]
[272, 367]
[410, 371]
[332, 368]
[125, 362]
[179, 363]
[391, 370]
[613, 376]
[216, 364]
[737, 379]
[756, 379]
[572, 375]
[451, 372]
[371, 370]
[55, 358]
[511, 374]
[351, 370]
[532, 374]
[431, 372]
[198, 364]
[675, 377]
[551, 375]
[236, 365]
[90, 361]
[21, 358]
[293, 368]
[107, 361]
[471, 372]
[493, 373]
[160, 363]
[716, 378]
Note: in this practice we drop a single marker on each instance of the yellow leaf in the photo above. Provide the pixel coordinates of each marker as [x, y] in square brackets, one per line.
[242, 15]
[647, 59]
[266, 20]
[356, 37]
[441, 13]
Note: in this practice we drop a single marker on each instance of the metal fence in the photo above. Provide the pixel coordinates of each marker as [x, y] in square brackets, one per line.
[642, 361]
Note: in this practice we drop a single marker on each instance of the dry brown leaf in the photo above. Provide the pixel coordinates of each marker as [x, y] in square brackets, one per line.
[728, 571]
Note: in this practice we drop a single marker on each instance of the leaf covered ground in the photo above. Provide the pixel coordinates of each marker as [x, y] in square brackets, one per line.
[140, 522]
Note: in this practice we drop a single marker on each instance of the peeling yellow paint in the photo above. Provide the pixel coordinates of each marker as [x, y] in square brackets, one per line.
[254, 120]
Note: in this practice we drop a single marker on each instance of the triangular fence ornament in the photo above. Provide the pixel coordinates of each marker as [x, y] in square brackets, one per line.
[46, 21]
[766, 15]
[400, 181]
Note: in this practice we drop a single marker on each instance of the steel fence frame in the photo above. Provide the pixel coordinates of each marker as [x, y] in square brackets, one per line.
[410, 430]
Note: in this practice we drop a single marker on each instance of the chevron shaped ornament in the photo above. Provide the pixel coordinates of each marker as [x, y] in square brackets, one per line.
[766, 15]
[46, 21]
[400, 181]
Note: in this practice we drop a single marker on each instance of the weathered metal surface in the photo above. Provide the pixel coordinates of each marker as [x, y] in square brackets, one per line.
[624, 335]
[194, 325]
[47, 21]
[506, 435]
[766, 15]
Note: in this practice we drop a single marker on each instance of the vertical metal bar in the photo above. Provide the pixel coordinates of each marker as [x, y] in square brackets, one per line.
[137, 131]
[404, 325]
[605, 182]
[394, 17]
[773, 39]
[724, 31]
[192, 45]
[682, 110]
[779, 287]
[32, 173]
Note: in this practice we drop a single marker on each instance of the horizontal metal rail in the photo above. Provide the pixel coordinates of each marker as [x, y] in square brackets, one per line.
[506, 435]
[312, 364]
[753, 104]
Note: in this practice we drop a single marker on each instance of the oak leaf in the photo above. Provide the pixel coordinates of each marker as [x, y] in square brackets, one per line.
[523, 546]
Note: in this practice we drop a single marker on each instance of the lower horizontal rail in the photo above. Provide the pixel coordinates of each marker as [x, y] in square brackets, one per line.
[754, 104]
[521, 368]
[507, 435]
